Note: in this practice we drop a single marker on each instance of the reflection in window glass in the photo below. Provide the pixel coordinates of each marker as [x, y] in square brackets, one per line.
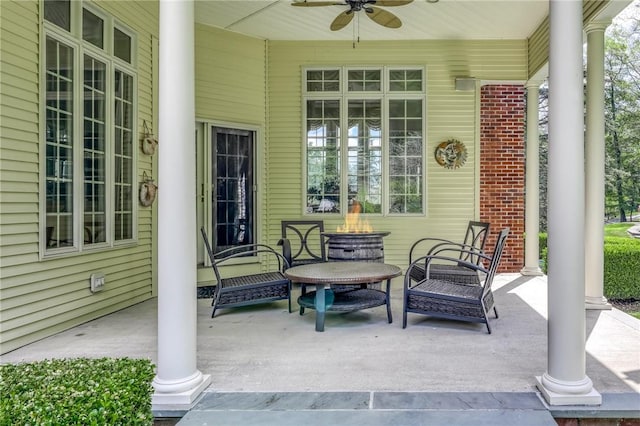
[123, 155]
[59, 148]
[365, 156]
[323, 80]
[94, 150]
[364, 80]
[405, 80]
[92, 29]
[122, 45]
[405, 156]
[58, 12]
[233, 220]
[323, 156]
[381, 150]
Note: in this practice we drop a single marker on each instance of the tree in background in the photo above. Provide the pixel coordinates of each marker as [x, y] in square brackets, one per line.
[622, 120]
[622, 117]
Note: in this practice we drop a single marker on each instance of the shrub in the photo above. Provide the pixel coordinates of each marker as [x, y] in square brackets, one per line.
[621, 268]
[79, 391]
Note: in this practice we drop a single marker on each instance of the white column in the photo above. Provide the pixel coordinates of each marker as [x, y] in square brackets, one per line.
[565, 381]
[532, 200]
[594, 162]
[178, 382]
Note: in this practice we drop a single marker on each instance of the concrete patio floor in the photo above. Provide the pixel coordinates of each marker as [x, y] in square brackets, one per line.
[264, 349]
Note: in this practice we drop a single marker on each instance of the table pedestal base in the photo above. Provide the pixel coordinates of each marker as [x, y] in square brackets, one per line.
[344, 301]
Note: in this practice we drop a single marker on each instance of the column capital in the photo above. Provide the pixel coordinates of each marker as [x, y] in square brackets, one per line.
[533, 83]
[596, 26]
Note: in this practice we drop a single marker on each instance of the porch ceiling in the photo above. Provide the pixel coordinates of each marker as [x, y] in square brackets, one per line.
[446, 19]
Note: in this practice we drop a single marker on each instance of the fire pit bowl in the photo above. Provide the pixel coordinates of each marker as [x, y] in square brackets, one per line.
[363, 246]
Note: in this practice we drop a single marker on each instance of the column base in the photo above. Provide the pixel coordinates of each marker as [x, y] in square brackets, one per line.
[531, 271]
[182, 398]
[597, 303]
[553, 397]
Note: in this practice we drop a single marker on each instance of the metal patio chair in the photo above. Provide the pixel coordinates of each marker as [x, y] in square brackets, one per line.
[469, 250]
[243, 290]
[451, 300]
[302, 241]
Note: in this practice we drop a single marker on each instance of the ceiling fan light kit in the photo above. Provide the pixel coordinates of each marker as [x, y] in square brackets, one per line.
[370, 7]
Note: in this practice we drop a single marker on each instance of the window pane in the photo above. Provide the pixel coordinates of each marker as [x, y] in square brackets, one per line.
[59, 144]
[92, 29]
[94, 150]
[323, 80]
[123, 156]
[58, 12]
[323, 156]
[405, 80]
[364, 80]
[365, 156]
[122, 45]
[234, 218]
[405, 156]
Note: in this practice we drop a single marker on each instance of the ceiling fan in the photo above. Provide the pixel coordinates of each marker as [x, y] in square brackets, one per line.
[376, 14]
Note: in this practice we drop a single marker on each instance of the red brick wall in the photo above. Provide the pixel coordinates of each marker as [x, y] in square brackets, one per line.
[502, 171]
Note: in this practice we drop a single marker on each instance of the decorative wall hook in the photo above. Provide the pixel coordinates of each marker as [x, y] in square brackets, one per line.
[148, 190]
[148, 142]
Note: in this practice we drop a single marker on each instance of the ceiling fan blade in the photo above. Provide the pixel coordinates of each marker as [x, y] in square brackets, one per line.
[384, 18]
[389, 3]
[342, 20]
[306, 3]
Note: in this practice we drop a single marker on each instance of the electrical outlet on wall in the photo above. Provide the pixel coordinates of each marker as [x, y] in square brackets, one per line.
[97, 281]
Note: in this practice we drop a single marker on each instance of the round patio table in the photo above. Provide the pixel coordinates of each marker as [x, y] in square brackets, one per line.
[345, 273]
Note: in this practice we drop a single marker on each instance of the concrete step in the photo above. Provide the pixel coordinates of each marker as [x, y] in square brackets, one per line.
[369, 408]
[371, 418]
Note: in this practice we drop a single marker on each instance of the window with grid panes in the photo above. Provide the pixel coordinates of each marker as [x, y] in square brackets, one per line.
[365, 140]
[90, 84]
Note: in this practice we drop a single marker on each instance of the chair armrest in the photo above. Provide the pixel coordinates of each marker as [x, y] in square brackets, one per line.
[423, 240]
[286, 249]
[450, 246]
[464, 251]
[426, 260]
[248, 250]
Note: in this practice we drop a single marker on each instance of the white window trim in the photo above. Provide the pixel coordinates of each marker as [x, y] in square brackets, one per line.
[204, 161]
[74, 39]
[385, 94]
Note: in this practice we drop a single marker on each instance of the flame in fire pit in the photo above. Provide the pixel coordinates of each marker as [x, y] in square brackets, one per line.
[353, 223]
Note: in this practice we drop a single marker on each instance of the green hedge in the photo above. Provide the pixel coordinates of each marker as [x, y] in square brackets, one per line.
[621, 266]
[81, 391]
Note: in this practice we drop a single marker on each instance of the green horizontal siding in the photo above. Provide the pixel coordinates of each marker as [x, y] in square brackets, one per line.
[44, 296]
[451, 194]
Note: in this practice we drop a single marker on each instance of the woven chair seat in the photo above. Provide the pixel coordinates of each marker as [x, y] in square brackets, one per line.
[443, 289]
[453, 299]
[456, 273]
[248, 289]
[260, 280]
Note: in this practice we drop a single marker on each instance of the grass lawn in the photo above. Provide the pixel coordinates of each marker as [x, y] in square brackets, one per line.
[618, 229]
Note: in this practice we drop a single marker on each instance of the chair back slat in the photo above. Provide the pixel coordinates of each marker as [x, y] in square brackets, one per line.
[306, 239]
[475, 238]
[212, 257]
[495, 259]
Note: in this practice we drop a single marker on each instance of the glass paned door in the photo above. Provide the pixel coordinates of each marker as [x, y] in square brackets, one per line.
[233, 217]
